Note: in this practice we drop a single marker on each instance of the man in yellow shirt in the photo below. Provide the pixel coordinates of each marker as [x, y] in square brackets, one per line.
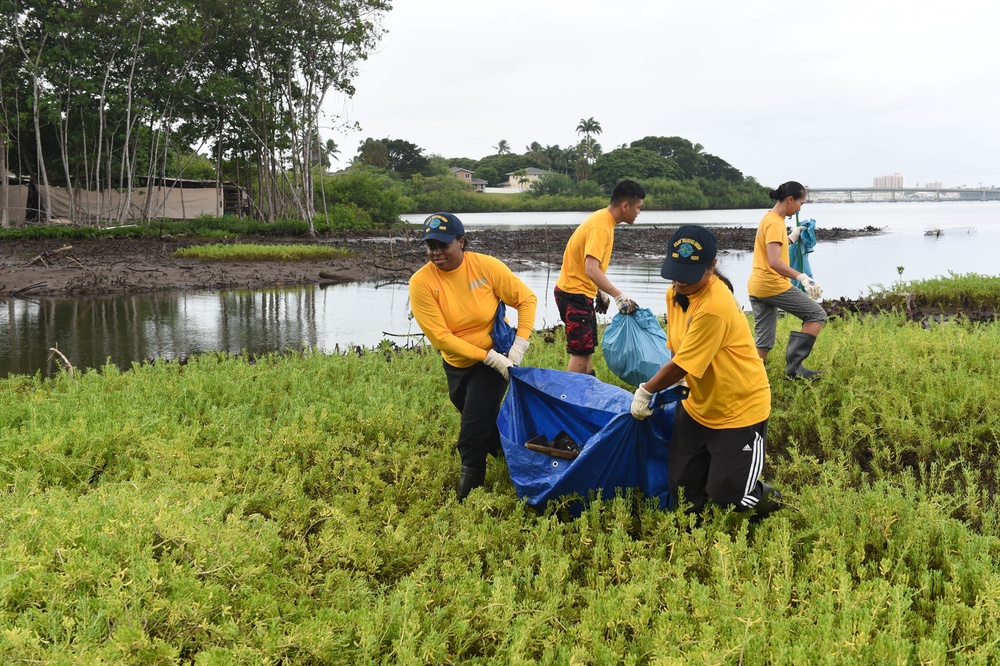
[583, 274]
[720, 429]
[454, 299]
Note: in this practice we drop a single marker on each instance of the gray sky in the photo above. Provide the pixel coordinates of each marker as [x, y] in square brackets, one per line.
[826, 93]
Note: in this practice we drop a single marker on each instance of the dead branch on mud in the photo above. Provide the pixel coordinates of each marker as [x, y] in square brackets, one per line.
[47, 258]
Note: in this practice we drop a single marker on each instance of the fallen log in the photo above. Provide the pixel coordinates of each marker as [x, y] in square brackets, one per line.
[45, 257]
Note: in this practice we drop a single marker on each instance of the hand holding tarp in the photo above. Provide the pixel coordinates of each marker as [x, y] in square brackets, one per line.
[498, 362]
[640, 403]
[517, 349]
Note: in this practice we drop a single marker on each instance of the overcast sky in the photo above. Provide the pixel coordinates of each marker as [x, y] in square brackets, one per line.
[826, 93]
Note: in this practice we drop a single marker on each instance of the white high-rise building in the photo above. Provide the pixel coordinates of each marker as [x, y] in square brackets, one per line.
[895, 181]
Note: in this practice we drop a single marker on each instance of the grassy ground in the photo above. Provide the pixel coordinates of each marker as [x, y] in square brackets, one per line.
[251, 252]
[300, 509]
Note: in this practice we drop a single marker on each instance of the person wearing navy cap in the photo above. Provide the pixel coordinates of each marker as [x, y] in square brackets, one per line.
[720, 429]
[454, 298]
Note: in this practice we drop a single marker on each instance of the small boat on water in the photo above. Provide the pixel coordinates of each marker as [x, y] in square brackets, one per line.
[933, 232]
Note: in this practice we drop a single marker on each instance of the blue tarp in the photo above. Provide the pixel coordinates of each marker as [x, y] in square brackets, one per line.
[798, 252]
[619, 452]
[635, 346]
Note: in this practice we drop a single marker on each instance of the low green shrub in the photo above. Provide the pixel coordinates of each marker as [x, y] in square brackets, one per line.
[300, 508]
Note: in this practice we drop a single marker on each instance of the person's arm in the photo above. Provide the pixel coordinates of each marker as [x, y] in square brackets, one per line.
[431, 321]
[777, 265]
[668, 375]
[597, 276]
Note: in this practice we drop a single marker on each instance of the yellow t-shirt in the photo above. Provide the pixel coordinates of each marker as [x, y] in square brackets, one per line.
[595, 238]
[765, 281]
[455, 309]
[713, 344]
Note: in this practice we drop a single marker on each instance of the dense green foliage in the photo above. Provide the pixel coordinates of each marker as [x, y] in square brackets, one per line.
[207, 226]
[300, 509]
[108, 94]
[250, 252]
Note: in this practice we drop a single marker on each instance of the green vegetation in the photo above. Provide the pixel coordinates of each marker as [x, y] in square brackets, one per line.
[969, 290]
[200, 227]
[249, 252]
[299, 509]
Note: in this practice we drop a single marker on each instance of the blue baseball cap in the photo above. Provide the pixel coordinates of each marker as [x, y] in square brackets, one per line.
[691, 249]
[443, 227]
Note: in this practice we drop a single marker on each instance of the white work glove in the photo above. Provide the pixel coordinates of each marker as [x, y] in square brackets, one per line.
[498, 362]
[625, 304]
[813, 290]
[640, 403]
[517, 350]
[794, 236]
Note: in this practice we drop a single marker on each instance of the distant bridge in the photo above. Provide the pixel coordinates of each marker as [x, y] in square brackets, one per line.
[816, 194]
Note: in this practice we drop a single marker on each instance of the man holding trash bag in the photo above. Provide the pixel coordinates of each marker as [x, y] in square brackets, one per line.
[583, 277]
[720, 429]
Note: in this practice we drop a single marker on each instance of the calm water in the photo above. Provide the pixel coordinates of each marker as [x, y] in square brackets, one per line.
[93, 331]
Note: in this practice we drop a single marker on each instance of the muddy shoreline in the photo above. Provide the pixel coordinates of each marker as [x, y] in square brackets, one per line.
[115, 266]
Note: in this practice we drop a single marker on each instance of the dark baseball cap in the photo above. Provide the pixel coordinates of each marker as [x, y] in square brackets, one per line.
[691, 249]
[443, 227]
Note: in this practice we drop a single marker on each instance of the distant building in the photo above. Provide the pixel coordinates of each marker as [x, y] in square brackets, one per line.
[465, 175]
[522, 179]
[936, 185]
[895, 181]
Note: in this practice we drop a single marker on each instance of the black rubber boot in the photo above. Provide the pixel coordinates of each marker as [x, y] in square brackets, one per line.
[800, 345]
[770, 501]
[470, 479]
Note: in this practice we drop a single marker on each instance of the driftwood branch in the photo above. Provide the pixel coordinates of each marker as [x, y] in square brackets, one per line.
[23, 290]
[45, 258]
[69, 365]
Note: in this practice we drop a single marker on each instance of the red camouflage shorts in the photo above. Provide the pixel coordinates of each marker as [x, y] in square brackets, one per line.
[577, 312]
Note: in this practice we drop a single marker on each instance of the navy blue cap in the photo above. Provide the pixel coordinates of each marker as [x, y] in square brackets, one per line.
[692, 248]
[443, 227]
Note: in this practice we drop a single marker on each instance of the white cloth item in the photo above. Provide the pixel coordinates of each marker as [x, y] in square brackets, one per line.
[794, 236]
[813, 290]
[498, 362]
[517, 350]
[640, 403]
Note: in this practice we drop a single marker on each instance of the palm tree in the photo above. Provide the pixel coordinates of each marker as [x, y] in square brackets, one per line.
[589, 148]
[374, 153]
[503, 148]
[588, 127]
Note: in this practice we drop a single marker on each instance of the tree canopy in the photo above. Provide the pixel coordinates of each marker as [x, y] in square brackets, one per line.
[105, 94]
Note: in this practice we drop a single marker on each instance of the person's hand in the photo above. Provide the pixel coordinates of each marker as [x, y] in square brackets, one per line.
[640, 403]
[796, 232]
[517, 350]
[601, 302]
[498, 362]
[813, 290]
[625, 304]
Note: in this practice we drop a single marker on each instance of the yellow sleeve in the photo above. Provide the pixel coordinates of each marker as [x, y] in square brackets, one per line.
[427, 311]
[702, 341]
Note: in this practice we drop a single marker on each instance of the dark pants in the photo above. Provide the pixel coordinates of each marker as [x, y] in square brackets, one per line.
[723, 464]
[477, 393]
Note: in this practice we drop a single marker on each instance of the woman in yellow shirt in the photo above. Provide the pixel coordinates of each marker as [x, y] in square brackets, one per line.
[717, 446]
[770, 286]
[454, 298]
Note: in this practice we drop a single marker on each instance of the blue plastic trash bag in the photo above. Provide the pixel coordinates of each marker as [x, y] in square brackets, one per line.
[798, 252]
[503, 334]
[635, 346]
[618, 451]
